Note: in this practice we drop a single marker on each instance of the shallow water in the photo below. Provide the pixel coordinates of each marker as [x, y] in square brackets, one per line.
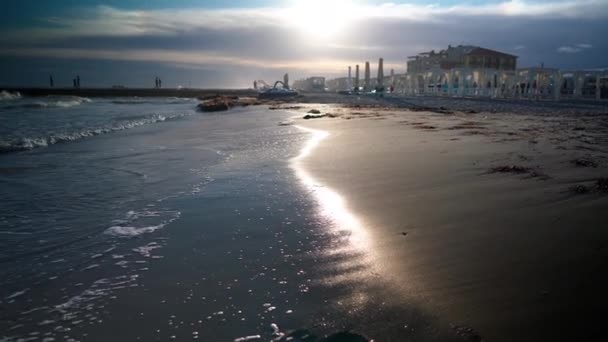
[204, 226]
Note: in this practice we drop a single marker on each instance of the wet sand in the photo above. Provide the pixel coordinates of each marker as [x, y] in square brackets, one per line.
[493, 224]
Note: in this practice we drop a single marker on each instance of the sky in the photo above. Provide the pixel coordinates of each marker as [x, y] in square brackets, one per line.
[228, 44]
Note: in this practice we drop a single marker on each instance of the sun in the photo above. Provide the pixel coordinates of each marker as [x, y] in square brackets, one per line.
[321, 18]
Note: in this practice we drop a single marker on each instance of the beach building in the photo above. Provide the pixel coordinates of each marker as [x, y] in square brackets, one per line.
[461, 70]
[467, 70]
[337, 84]
[312, 84]
[473, 71]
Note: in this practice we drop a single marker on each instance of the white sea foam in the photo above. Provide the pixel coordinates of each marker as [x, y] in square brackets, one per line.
[100, 288]
[132, 231]
[146, 250]
[7, 96]
[17, 294]
[248, 338]
[137, 223]
[28, 143]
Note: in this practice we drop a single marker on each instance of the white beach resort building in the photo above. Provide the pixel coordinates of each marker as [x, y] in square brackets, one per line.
[475, 71]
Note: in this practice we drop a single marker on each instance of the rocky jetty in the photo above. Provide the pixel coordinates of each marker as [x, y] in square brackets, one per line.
[220, 103]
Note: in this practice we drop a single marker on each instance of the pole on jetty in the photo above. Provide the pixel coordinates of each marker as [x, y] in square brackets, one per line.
[380, 80]
[367, 77]
[350, 79]
[357, 78]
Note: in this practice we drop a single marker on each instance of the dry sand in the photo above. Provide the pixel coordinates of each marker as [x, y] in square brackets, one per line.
[494, 224]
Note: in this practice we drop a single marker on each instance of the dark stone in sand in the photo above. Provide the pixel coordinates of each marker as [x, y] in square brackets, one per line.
[314, 111]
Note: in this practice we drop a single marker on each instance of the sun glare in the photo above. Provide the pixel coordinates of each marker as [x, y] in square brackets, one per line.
[321, 18]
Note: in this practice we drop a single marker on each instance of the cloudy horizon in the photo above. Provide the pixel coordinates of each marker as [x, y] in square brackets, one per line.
[211, 44]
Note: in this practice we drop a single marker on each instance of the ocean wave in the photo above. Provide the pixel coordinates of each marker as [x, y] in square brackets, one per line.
[7, 96]
[28, 143]
[48, 102]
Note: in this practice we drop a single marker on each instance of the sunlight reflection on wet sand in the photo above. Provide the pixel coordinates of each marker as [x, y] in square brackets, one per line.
[355, 241]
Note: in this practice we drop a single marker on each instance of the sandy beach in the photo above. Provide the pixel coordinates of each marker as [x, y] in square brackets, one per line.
[491, 223]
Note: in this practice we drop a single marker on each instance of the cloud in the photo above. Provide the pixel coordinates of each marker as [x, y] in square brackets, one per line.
[183, 59]
[110, 21]
[252, 40]
[574, 49]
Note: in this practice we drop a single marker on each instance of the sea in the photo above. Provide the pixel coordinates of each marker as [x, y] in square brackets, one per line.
[141, 219]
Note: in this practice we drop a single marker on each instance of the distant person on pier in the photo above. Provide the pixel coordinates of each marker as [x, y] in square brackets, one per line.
[74, 82]
[160, 83]
[78, 81]
[51, 82]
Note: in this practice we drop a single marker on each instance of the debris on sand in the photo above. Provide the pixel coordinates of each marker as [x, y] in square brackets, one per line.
[422, 125]
[314, 111]
[510, 169]
[467, 333]
[345, 336]
[468, 125]
[584, 162]
[602, 184]
[540, 175]
[308, 116]
[303, 335]
[580, 189]
[443, 110]
[429, 127]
